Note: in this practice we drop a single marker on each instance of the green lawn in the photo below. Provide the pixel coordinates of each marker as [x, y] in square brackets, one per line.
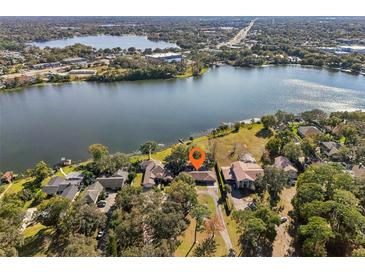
[137, 182]
[228, 147]
[33, 230]
[207, 200]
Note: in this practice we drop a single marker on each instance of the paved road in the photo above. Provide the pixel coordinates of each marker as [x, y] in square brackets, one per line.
[213, 192]
[239, 37]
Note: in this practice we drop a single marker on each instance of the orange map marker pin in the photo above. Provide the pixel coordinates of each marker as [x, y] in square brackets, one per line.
[197, 163]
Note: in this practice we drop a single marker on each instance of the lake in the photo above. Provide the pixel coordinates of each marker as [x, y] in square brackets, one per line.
[51, 121]
[107, 41]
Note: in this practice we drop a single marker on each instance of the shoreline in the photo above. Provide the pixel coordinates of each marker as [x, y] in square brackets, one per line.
[185, 76]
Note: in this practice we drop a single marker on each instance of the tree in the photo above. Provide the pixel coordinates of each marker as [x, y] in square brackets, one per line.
[97, 151]
[284, 117]
[109, 164]
[315, 115]
[268, 121]
[257, 230]
[183, 193]
[206, 248]
[316, 235]
[273, 181]
[128, 197]
[274, 147]
[292, 151]
[148, 147]
[50, 211]
[308, 147]
[40, 172]
[360, 252]
[177, 160]
[83, 219]
[199, 213]
[80, 246]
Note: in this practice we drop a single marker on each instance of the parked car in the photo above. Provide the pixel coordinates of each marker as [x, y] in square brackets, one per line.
[100, 234]
[283, 219]
[101, 203]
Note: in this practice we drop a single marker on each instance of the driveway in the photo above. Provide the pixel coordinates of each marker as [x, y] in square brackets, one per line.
[213, 192]
[240, 200]
[110, 201]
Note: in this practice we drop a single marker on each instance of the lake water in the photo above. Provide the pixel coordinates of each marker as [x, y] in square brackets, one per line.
[107, 41]
[48, 122]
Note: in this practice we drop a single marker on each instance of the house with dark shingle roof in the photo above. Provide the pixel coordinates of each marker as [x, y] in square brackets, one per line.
[206, 177]
[330, 149]
[283, 163]
[242, 175]
[93, 192]
[154, 173]
[62, 186]
[308, 131]
[114, 182]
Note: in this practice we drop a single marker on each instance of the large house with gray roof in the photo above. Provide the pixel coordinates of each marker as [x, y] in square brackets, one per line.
[205, 177]
[67, 187]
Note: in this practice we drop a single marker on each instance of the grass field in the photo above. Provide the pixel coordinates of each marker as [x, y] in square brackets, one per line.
[137, 182]
[227, 148]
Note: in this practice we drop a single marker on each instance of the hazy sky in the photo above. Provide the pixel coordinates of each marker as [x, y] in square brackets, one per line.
[185, 7]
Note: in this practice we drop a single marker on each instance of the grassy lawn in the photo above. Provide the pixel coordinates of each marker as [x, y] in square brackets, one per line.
[18, 185]
[205, 199]
[33, 230]
[36, 242]
[137, 182]
[188, 237]
[228, 147]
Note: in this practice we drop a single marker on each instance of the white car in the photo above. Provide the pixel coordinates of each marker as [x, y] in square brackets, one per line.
[283, 219]
[100, 234]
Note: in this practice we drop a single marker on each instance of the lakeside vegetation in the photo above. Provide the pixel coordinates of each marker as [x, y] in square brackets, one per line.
[327, 199]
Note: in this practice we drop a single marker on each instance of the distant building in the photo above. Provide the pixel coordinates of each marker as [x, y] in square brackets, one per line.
[164, 57]
[83, 71]
[7, 177]
[308, 131]
[47, 65]
[330, 149]
[283, 163]
[242, 175]
[74, 61]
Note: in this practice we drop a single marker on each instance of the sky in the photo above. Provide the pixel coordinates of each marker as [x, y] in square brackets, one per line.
[183, 7]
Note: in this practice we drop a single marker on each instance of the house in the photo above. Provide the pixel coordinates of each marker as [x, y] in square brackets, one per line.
[358, 171]
[65, 162]
[242, 175]
[114, 182]
[308, 131]
[154, 173]
[93, 192]
[283, 163]
[7, 177]
[330, 149]
[206, 177]
[74, 61]
[164, 57]
[67, 187]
